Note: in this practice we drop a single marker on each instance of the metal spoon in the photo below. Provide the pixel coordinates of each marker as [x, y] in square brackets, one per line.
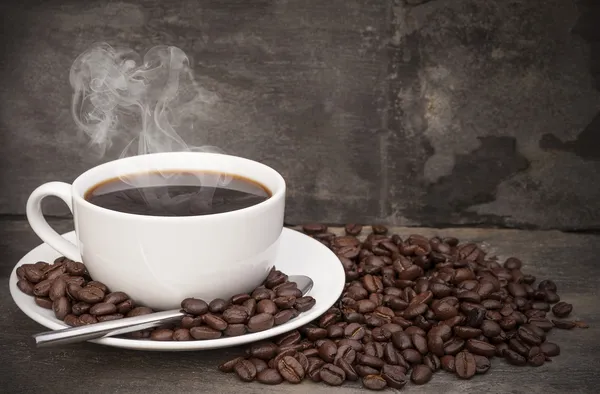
[129, 324]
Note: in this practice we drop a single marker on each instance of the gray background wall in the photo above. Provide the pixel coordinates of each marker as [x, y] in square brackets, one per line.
[408, 112]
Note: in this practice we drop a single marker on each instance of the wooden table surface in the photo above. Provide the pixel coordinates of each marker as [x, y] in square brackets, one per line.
[572, 260]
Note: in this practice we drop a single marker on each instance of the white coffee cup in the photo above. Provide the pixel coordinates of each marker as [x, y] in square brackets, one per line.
[158, 261]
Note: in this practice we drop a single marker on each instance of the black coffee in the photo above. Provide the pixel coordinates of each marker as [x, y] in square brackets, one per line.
[177, 193]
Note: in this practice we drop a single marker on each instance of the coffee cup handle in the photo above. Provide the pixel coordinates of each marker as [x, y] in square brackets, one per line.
[39, 224]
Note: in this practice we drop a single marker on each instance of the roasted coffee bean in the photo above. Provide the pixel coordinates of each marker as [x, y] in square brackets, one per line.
[475, 317]
[125, 307]
[354, 331]
[335, 331]
[466, 332]
[480, 348]
[116, 297]
[285, 302]
[98, 285]
[550, 349]
[353, 229]
[414, 310]
[328, 351]
[228, 365]
[514, 358]
[447, 363]
[465, 365]
[182, 334]
[80, 308]
[379, 229]
[564, 324]
[235, 315]
[432, 361]
[260, 322]
[283, 317]
[453, 346]
[217, 305]
[332, 375]
[394, 375]
[194, 306]
[529, 335]
[420, 343]
[490, 328]
[314, 368]
[314, 228]
[269, 376]
[58, 289]
[235, 330]
[304, 304]
[289, 338]
[103, 308]
[261, 293]
[203, 333]
[374, 382]
[139, 311]
[264, 350]
[43, 302]
[291, 369]
[75, 268]
[86, 319]
[71, 320]
[482, 364]
[435, 344]
[215, 322]
[562, 309]
[25, 286]
[161, 334]
[90, 294]
[245, 370]
[370, 361]
[364, 370]
[518, 346]
[112, 316]
[412, 356]
[259, 364]
[61, 307]
[421, 374]
[345, 352]
[42, 289]
[32, 274]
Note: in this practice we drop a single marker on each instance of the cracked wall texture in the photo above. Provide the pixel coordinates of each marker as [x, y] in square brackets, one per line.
[407, 112]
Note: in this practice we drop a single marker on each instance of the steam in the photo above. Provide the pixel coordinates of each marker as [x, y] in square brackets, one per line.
[141, 102]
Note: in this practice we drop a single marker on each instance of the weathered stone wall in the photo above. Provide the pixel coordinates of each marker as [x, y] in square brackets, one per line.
[407, 112]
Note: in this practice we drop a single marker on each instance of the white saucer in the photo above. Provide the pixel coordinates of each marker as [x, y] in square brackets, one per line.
[298, 255]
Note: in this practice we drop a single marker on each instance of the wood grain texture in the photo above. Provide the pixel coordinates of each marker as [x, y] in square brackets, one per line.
[570, 259]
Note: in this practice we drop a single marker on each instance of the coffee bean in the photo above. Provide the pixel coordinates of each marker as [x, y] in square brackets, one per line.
[75, 268]
[514, 358]
[314, 228]
[58, 289]
[290, 369]
[267, 306]
[564, 324]
[71, 320]
[412, 356]
[61, 307]
[528, 335]
[435, 344]
[41, 289]
[204, 333]
[550, 349]
[421, 374]
[345, 352]
[466, 332]
[447, 363]
[86, 319]
[25, 286]
[374, 382]
[182, 334]
[43, 302]
[480, 348]
[379, 229]
[394, 376]
[112, 316]
[465, 365]
[269, 376]
[194, 306]
[332, 375]
[235, 315]
[90, 294]
[283, 317]
[103, 308]
[217, 305]
[353, 229]
[32, 274]
[139, 311]
[562, 309]
[518, 346]
[161, 334]
[414, 310]
[371, 361]
[354, 331]
[304, 304]
[215, 322]
[260, 322]
[482, 364]
[245, 370]
[125, 307]
[289, 338]
[420, 343]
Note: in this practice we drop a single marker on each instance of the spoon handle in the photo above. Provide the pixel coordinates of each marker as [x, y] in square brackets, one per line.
[107, 328]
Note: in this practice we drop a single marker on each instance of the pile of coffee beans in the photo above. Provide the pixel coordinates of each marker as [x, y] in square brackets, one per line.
[66, 288]
[410, 308]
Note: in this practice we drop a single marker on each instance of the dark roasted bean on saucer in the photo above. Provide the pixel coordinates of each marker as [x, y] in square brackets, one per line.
[61, 307]
[139, 311]
[116, 297]
[234, 330]
[194, 306]
[90, 294]
[25, 286]
[114, 316]
[75, 268]
[203, 333]
[58, 289]
[103, 308]
[314, 228]
[71, 320]
[217, 305]
[162, 334]
[260, 322]
[304, 304]
[44, 302]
